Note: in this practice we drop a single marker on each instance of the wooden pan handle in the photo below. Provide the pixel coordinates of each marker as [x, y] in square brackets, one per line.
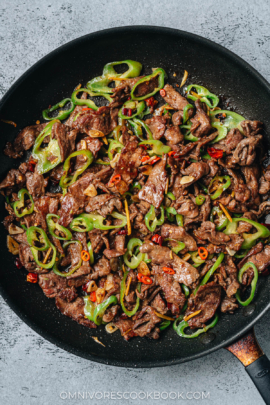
[257, 365]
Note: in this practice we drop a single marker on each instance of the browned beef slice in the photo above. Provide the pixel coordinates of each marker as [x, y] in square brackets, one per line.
[51, 284]
[159, 305]
[252, 175]
[68, 294]
[226, 276]
[245, 226]
[65, 138]
[104, 204]
[174, 99]
[137, 219]
[56, 173]
[196, 171]
[251, 128]
[35, 184]
[154, 188]
[98, 238]
[174, 135]
[207, 232]
[126, 327]
[145, 321]
[26, 257]
[178, 233]
[163, 256]
[101, 268]
[14, 180]
[245, 152]
[105, 119]
[24, 141]
[122, 91]
[201, 123]
[69, 208]
[92, 144]
[157, 126]
[127, 166]
[146, 87]
[262, 259]
[171, 288]
[228, 305]
[74, 310]
[207, 301]
[177, 118]
[187, 207]
[110, 313]
[118, 249]
[232, 139]
[75, 254]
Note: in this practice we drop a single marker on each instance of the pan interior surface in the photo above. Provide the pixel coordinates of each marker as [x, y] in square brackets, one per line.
[54, 78]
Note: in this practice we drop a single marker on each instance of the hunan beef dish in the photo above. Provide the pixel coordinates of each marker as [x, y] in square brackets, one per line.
[143, 212]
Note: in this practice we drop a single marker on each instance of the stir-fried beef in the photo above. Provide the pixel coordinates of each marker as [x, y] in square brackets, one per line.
[170, 202]
[206, 300]
[154, 188]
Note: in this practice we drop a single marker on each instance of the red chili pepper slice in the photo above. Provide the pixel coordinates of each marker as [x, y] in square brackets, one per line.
[172, 153]
[154, 160]
[114, 180]
[150, 102]
[168, 270]
[144, 147]
[86, 108]
[162, 93]
[215, 153]
[129, 113]
[32, 165]
[122, 232]
[203, 253]
[32, 278]
[85, 255]
[145, 158]
[146, 280]
[139, 276]
[18, 263]
[85, 286]
[93, 296]
[157, 239]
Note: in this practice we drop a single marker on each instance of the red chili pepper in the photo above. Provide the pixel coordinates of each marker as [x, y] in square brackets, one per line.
[150, 102]
[85, 286]
[168, 270]
[129, 113]
[144, 147]
[146, 280]
[129, 97]
[86, 108]
[18, 263]
[145, 158]
[32, 165]
[172, 153]
[114, 180]
[203, 253]
[124, 111]
[162, 93]
[215, 153]
[122, 232]
[93, 296]
[85, 255]
[139, 276]
[157, 239]
[154, 160]
[32, 278]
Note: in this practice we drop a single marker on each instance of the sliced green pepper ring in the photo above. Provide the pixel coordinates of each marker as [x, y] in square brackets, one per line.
[185, 112]
[137, 126]
[21, 203]
[180, 220]
[78, 265]
[249, 238]
[232, 120]
[158, 148]
[87, 222]
[179, 245]
[101, 308]
[210, 271]
[62, 114]
[253, 283]
[37, 235]
[185, 289]
[114, 146]
[183, 325]
[139, 106]
[130, 259]
[87, 102]
[170, 212]
[151, 217]
[196, 259]
[122, 296]
[89, 308]
[204, 94]
[164, 324]
[221, 221]
[52, 226]
[91, 253]
[200, 199]
[48, 265]
[66, 180]
[222, 131]
[221, 187]
[160, 73]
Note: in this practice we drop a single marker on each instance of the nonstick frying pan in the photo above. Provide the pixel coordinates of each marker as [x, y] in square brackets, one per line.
[54, 78]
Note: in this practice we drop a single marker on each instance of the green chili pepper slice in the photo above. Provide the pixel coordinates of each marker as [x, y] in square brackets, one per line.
[183, 325]
[89, 308]
[204, 94]
[196, 259]
[131, 260]
[37, 235]
[122, 296]
[91, 253]
[185, 289]
[52, 226]
[180, 245]
[151, 217]
[253, 283]
[87, 222]
[222, 131]
[185, 112]
[62, 114]
[211, 271]
[55, 267]
[132, 105]
[138, 126]
[164, 324]
[158, 148]
[199, 200]
[232, 119]
[221, 221]
[101, 308]
[66, 180]
[161, 78]
[136, 185]
[170, 212]
[47, 157]
[48, 265]
[221, 187]
[249, 238]
[21, 203]
[180, 220]
[114, 146]
[171, 196]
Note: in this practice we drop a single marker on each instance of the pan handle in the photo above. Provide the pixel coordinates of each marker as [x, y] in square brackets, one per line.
[257, 365]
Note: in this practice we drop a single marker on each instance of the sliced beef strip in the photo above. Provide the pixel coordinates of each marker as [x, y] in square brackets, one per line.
[157, 126]
[207, 231]
[201, 123]
[159, 305]
[186, 206]
[232, 139]
[241, 191]
[65, 138]
[68, 294]
[126, 327]
[146, 87]
[74, 310]
[127, 166]
[207, 300]
[228, 305]
[118, 248]
[14, 180]
[245, 226]
[87, 143]
[252, 175]
[173, 135]
[179, 233]
[51, 284]
[245, 152]
[69, 208]
[154, 188]
[24, 141]
[104, 204]
[253, 251]
[27, 260]
[110, 313]
[101, 268]
[137, 219]
[262, 259]
[251, 128]
[75, 253]
[163, 256]
[195, 171]
[226, 276]
[264, 181]
[105, 119]
[171, 288]
[36, 184]
[98, 239]
[175, 100]
[145, 321]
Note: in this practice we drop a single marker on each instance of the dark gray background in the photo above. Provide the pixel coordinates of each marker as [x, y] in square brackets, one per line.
[33, 371]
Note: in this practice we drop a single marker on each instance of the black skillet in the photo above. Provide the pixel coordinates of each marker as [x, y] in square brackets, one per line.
[54, 78]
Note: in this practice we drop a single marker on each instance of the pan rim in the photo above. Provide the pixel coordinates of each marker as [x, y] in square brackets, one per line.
[184, 34]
